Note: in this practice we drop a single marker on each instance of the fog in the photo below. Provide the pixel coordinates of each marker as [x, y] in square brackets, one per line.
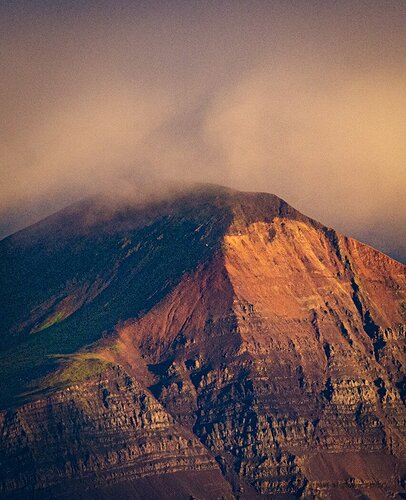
[306, 100]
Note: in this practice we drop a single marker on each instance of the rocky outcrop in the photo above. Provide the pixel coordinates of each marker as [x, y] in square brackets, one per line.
[88, 437]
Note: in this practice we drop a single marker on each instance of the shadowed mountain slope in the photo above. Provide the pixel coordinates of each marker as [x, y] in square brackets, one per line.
[272, 345]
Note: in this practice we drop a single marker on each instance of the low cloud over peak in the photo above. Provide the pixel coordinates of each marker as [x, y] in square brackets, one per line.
[305, 101]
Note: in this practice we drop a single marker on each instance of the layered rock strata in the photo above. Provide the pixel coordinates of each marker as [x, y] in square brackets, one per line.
[94, 436]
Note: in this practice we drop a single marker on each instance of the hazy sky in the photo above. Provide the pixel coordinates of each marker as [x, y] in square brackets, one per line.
[303, 99]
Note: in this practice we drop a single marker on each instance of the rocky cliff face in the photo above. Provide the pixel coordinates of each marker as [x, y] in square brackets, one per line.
[268, 347]
[98, 434]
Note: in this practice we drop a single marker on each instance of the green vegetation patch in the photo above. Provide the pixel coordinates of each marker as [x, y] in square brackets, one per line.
[79, 368]
[55, 318]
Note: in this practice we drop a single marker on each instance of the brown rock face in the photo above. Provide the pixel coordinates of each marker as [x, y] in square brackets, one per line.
[277, 359]
[285, 351]
[88, 439]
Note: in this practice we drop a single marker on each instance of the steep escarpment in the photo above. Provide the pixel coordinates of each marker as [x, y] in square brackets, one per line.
[96, 434]
[269, 344]
[283, 366]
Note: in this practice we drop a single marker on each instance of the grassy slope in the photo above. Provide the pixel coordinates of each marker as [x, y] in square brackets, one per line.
[163, 252]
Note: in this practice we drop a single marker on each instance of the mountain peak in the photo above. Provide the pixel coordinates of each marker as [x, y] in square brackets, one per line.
[221, 322]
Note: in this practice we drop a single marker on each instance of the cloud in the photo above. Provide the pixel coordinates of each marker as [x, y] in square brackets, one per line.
[308, 102]
[311, 132]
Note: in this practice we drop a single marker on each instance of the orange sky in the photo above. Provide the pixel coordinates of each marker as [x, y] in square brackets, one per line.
[303, 99]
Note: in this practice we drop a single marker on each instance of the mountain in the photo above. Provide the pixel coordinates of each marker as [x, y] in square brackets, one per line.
[208, 344]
